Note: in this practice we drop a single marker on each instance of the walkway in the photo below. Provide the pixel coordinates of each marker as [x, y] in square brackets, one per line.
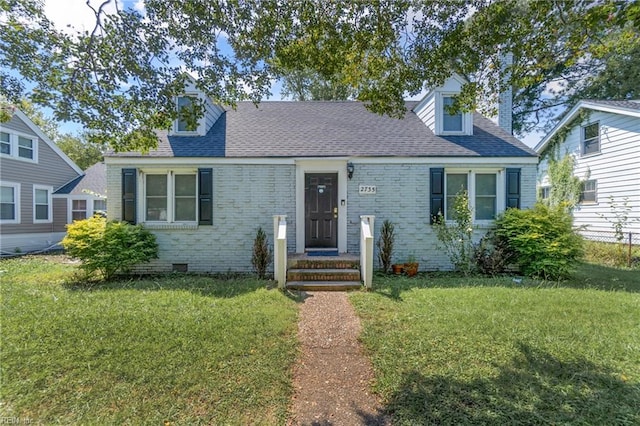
[332, 377]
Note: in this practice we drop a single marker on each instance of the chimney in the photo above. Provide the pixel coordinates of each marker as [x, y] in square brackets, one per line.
[505, 98]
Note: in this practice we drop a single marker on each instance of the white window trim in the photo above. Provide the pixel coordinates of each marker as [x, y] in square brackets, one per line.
[471, 189]
[201, 122]
[595, 193]
[90, 205]
[170, 174]
[14, 146]
[49, 190]
[16, 195]
[467, 120]
[583, 140]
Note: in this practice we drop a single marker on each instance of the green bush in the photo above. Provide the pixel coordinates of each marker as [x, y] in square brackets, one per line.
[261, 254]
[109, 247]
[455, 236]
[541, 241]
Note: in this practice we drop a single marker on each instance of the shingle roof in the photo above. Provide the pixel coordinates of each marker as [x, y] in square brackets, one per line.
[93, 180]
[629, 104]
[332, 129]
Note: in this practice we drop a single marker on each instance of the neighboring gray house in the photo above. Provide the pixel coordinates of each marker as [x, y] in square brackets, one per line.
[32, 169]
[205, 192]
[604, 139]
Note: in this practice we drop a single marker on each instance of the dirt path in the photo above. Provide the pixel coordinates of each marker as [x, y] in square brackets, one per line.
[332, 377]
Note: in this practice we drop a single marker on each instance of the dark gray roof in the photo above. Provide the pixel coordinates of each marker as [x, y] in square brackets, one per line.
[94, 180]
[332, 129]
[629, 104]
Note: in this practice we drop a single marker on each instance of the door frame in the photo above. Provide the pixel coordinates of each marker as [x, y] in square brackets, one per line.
[303, 167]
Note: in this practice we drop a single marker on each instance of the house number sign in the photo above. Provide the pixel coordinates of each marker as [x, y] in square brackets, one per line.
[367, 189]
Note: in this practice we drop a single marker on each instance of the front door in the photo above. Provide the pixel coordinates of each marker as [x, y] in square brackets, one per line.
[321, 210]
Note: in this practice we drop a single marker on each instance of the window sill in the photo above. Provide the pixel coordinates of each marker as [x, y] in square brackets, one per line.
[592, 154]
[160, 226]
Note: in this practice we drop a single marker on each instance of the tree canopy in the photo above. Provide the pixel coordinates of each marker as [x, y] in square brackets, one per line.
[119, 78]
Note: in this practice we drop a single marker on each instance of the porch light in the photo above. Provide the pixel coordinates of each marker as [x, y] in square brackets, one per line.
[350, 169]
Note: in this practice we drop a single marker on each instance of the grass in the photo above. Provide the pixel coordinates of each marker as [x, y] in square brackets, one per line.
[612, 254]
[180, 349]
[452, 350]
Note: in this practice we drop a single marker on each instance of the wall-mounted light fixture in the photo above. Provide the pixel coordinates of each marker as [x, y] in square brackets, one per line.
[350, 169]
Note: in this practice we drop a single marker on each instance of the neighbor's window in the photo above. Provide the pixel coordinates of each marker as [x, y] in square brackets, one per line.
[5, 143]
[545, 192]
[450, 122]
[170, 197]
[591, 139]
[99, 206]
[589, 194]
[25, 147]
[482, 189]
[9, 203]
[78, 209]
[42, 203]
[183, 124]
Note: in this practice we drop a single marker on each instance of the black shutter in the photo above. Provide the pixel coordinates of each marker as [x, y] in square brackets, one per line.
[436, 181]
[129, 195]
[513, 188]
[205, 196]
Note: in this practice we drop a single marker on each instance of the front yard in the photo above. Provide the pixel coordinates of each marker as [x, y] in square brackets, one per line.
[197, 350]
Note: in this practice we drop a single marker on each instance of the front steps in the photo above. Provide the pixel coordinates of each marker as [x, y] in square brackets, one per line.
[323, 273]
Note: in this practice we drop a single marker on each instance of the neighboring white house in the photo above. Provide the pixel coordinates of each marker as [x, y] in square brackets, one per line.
[604, 139]
[204, 191]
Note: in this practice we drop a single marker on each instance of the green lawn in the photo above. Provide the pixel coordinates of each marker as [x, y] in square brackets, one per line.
[452, 350]
[181, 349]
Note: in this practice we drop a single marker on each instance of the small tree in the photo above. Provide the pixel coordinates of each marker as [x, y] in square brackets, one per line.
[565, 187]
[385, 245]
[541, 241]
[261, 253]
[456, 237]
[109, 247]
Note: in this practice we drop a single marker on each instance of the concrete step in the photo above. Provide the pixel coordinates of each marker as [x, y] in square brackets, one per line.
[338, 262]
[327, 274]
[324, 285]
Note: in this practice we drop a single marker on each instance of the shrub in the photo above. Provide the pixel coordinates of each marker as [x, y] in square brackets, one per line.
[541, 241]
[385, 245]
[490, 255]
[455, 237]
[261, 254]
[109, 247]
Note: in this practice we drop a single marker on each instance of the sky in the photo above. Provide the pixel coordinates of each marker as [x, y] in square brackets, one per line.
[74, 15]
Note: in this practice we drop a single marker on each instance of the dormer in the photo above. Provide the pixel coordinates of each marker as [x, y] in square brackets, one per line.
[433, 111]
[185, 100]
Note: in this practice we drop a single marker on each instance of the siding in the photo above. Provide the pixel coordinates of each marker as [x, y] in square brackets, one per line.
[616, 168]
[51, 170]
[428, 112]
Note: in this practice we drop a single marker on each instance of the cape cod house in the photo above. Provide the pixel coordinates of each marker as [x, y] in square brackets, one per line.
[36, 182]
[604, 139]
[323, 165]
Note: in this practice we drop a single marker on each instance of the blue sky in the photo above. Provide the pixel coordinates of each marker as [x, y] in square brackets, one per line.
[74, 15]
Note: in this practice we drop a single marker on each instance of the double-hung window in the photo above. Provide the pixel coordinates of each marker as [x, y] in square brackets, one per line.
[18, 146]
[100, 206]
[185, 121]
[170, 197]
[589, 194]
[42, 210]
[451, 122]
[78, 209]
[9, 202]
[482, 191]
[591, 139]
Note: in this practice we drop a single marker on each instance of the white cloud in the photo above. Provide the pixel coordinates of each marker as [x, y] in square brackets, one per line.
[75, 15]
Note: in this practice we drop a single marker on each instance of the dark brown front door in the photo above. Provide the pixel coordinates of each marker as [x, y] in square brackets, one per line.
[321, 210]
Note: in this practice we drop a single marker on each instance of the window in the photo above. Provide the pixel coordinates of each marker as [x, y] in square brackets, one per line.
[482, 189]
[18, 146]
[589, 193]
[41, 204]
[78, 209]
[183, 124]
[5, 143]
[591, 139]
[99, 206]
[485, 196]
[170, 197]
[9, 202]
[545, 192]
[25, 148]
[450, 122]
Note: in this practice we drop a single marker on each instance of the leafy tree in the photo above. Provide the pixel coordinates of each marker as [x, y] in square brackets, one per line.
[307, 85]
[120, 77]
[565, 187]
[84, 153]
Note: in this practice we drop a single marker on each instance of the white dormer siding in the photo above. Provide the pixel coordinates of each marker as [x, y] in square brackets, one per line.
[211, 113]
[431, 110]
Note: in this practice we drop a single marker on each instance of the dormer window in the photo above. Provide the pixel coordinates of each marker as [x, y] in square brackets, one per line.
[183, 124]
[450, 122]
